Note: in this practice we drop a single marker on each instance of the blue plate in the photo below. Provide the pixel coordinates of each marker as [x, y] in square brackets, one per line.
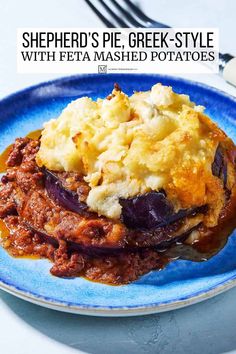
[182, 282]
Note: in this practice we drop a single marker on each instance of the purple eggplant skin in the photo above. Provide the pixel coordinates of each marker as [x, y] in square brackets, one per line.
[145, 211]
[153, 210]
[109, 251]
[219, 169]
[219, 165]
[66, 198]
[218, 162]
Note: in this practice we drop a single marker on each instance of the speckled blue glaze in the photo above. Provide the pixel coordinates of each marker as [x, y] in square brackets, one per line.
[182, 282]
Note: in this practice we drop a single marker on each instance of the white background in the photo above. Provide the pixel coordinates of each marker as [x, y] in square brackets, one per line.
[208, 327]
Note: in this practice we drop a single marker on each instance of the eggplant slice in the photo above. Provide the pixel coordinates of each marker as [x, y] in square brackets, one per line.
[153, 210]
[219, 166]
[145, 212]
[66, 198]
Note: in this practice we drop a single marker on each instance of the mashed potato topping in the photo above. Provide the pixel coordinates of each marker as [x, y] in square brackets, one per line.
[125, 146]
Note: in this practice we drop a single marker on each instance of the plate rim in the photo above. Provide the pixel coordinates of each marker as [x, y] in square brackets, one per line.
[131, 310]
[120, 311]
[86, 76]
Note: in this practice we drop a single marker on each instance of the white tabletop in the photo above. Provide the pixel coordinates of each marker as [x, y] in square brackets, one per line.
[208, 327]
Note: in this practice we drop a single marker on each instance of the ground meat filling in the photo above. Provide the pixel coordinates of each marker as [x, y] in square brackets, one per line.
[95, 247]
[31, 216]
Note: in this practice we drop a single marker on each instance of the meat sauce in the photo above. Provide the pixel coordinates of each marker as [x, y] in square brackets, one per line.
[112, 269]
[213, 241]
[5, 154]
[3, 158]
[20, 241]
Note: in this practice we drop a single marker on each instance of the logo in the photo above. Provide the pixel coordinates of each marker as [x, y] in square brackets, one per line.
[102, 69]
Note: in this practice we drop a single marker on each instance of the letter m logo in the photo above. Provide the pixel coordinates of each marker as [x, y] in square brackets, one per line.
[102, 69]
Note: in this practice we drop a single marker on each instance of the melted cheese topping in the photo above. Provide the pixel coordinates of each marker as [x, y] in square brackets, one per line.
[125, 146]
